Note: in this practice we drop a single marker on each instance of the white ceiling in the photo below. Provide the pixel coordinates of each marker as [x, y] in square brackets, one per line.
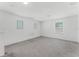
[42, 10]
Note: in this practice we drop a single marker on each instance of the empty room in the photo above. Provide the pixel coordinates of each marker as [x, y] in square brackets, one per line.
[39, 29]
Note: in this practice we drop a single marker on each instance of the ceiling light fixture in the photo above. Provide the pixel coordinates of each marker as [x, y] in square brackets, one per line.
[25, 3]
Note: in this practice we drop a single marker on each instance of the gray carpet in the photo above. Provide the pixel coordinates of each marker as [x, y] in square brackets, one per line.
[43, 47]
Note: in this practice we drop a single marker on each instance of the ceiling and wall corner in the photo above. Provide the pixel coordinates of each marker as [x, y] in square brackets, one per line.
[41, 10]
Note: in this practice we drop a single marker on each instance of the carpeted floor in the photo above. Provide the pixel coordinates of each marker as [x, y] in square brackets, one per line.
[43, 47]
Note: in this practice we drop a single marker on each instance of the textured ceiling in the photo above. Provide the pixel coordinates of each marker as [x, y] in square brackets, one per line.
[41, 10]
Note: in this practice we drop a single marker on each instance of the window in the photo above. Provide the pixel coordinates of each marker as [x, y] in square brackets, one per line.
[19, 24]
[59, 26]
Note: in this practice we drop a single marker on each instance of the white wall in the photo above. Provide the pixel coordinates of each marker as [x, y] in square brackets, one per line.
[41, 28]
[78, 28]
[70, 31]
[1, 44]
[49, 30]
[12, 34]
[71, 28]
[1, 36]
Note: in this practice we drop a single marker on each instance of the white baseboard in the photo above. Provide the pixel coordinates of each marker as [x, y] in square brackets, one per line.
[26, 38]
[60, 38]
